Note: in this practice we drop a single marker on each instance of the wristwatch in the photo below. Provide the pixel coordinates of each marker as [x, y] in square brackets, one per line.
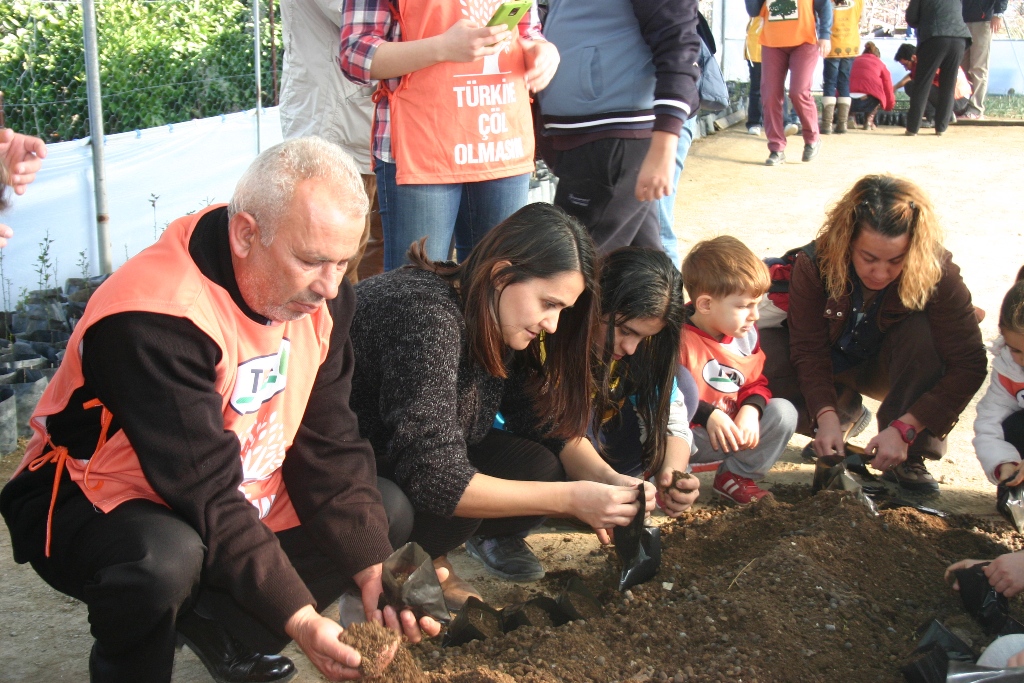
[908, 432]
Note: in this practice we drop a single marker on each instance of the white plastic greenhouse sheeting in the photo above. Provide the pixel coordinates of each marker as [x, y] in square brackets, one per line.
[187, 165]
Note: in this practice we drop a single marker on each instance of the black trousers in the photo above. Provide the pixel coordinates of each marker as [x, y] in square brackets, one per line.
[138, 568]
[938, 52]
[906, 367]
[500, 455]
[597, 185]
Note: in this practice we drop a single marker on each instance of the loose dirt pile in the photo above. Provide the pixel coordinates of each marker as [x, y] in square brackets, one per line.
[795, 588]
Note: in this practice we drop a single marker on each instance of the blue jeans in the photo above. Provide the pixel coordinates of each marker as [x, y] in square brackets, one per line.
[666, 205]
[836, 77]
[467, 210]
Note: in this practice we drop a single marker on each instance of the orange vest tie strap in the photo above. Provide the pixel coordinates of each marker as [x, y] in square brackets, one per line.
[59, 456]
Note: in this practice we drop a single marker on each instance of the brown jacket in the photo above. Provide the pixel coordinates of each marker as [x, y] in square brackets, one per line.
[816, 322]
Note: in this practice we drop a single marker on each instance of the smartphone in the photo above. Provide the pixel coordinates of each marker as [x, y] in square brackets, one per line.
[510, 13]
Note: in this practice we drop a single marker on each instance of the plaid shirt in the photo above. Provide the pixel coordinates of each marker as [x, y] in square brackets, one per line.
[365, 24]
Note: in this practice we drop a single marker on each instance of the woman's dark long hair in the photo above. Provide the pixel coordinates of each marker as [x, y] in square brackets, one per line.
[641, 283]
[537, 241]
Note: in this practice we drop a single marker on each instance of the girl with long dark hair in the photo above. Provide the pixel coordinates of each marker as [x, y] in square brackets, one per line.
[640, 423]
[440, 348]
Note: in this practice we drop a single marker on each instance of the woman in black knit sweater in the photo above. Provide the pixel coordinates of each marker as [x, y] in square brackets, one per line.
[441, 348]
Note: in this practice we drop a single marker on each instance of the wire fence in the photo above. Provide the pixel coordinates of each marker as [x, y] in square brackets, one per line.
[160, 62]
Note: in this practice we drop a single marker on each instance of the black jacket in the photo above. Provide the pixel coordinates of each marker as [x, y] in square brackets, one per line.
[982, 10]
[937, 18]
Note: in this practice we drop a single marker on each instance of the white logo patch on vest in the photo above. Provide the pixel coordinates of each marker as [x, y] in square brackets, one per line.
[722, 378]
[260, 379]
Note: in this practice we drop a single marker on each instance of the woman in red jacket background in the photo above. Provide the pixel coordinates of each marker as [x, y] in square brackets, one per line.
[870, 85]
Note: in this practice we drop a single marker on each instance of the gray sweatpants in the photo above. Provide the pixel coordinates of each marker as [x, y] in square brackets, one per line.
[778, 422]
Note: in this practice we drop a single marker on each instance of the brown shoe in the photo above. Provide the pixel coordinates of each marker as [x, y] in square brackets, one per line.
[456, 590]
[913, 476]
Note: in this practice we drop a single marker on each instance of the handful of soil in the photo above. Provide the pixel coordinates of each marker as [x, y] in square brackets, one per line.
[376, 644]
[638, 547]
[677, 476]
[410, 582]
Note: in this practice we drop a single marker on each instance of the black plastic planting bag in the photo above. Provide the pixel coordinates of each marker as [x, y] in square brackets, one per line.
[942, 648]
[410, 582]
[577, 602]
[988, 607]
[475, 621]
[540, 611]
[1010, 503]
[638, 547]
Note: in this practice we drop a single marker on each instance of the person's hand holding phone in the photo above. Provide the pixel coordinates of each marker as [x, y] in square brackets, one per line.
[467, 41]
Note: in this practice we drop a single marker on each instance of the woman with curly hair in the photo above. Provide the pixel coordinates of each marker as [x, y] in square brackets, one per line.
[879, 309]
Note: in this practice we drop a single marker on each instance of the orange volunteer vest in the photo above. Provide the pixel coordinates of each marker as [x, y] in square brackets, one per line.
[264, 378]
[720, 369]
[845, 28]
[1015, 389]
[459, 122]
[788, 23]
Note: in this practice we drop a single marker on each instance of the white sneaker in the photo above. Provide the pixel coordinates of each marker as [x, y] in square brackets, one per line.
[791, 129]
[754, 130]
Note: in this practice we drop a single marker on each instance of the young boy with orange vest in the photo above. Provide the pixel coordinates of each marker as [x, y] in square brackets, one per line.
[737, 420]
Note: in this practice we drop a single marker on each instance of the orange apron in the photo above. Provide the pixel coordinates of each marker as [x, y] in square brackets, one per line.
[264, 379]
[459, 122]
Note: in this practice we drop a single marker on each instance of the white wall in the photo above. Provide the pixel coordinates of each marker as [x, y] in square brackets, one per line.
[188, 165]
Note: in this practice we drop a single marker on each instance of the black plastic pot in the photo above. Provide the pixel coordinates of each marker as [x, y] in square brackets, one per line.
[51, 337]
[8, 421]
[577, 602]
[475, 621]
[540, 611]
[28, 386]
[10, 362]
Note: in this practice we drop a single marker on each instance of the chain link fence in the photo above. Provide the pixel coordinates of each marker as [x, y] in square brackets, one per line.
[161, 62]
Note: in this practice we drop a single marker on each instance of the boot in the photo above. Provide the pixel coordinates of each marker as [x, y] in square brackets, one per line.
[828, 110]
[842, 114]
[869, 120]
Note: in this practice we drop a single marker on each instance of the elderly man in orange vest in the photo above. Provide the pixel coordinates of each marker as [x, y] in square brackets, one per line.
[195, 473]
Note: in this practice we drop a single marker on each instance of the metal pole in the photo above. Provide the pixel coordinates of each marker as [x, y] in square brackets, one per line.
[92, 81]
[259, 83]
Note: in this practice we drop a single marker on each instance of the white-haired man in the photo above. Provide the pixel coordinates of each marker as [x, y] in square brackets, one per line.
[196, 473]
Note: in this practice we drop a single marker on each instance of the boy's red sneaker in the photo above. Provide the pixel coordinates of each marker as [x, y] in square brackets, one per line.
[738, 489]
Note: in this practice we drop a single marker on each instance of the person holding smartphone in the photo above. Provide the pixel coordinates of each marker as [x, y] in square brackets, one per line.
[452, 140]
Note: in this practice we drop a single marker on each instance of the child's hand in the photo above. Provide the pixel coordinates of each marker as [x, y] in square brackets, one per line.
[1010, 473]
[748, 422]
[722, 432]
[677, 491]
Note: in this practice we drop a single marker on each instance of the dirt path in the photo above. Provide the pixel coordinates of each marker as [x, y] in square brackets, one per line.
[974, 178]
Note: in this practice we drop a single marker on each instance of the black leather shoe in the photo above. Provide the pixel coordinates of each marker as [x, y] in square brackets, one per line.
[506, 556]
[228, 660]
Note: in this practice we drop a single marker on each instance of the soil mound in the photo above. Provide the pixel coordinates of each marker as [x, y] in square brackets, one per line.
[798, 588]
